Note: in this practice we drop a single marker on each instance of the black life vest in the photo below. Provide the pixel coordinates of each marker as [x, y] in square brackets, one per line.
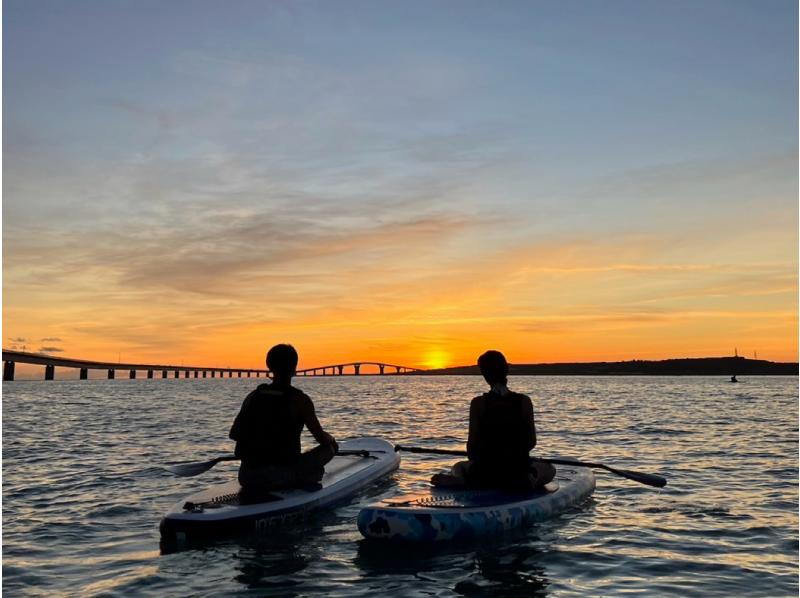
[501, 458]
[267, 429]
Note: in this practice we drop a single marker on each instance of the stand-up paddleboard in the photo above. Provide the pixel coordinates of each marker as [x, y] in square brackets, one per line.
[447, 514]
[223, 509]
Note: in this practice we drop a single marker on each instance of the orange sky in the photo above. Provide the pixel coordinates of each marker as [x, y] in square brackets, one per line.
[589, 299]
[396, 191]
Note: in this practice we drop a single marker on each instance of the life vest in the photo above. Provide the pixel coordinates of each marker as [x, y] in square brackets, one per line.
[267, 429]
[500, 456]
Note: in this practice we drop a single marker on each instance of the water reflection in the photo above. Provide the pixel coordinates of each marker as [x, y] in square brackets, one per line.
[81, 506]
[508, 570]
[507, 566]
[273, 563]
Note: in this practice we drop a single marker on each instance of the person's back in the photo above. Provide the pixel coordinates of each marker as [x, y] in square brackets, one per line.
[268, 427]
[500, 437]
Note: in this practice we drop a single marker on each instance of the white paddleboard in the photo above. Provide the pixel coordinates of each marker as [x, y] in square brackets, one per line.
[221, 509]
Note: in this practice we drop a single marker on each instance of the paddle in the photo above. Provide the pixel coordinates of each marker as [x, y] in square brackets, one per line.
[192, 469]
[643, 478]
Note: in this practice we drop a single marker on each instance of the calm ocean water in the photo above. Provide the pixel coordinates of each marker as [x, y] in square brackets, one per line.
[83, 490]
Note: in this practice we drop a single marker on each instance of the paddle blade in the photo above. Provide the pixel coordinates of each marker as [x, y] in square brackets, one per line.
[187, 470]
[648, 479]
[191, 469]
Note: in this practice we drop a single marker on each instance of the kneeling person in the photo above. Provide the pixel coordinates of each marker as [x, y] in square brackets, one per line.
[267, 432]
[502, 431]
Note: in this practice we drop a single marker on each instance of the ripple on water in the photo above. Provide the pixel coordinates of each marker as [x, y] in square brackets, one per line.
[84, 488]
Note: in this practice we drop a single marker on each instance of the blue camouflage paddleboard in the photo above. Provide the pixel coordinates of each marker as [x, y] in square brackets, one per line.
[447, 514]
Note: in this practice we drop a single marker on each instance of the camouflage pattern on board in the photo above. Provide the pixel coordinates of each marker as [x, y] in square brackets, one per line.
[460, 515]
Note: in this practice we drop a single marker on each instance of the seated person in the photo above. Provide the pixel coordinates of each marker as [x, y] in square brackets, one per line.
[501, 433]
[267, 432]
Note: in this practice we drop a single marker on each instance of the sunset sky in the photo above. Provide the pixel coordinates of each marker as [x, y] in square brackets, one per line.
[410, 182]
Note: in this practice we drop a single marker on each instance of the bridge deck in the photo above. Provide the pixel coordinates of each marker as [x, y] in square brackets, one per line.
[10, 358]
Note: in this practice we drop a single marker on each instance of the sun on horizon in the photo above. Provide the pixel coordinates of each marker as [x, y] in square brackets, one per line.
[437, 359]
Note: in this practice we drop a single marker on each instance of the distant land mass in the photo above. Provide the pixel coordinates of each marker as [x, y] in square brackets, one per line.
[703, 366]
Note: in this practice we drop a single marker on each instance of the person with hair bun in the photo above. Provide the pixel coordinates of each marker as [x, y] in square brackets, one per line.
[502, 432]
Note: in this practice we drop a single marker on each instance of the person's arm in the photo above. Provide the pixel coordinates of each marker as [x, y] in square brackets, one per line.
[312, 423]
[237, 428]
[527, 415]
[474, 438]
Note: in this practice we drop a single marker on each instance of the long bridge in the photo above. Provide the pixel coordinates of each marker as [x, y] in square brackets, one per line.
[50, 363]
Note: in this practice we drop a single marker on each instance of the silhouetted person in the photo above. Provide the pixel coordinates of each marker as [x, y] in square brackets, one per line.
[501, 433]
[733, 379]
[267, 431]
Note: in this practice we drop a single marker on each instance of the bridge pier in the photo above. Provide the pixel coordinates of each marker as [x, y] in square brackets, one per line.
[341, 369]
[84, 375]
[149, 374]
[49, 372]
[176, 374]
[238, 374]
[132, 374]
[213, 374]
[8, 371]
[357, 367]
[204, 373]
[380, 367]
[111, 374]
[186, 374]
[195, 373]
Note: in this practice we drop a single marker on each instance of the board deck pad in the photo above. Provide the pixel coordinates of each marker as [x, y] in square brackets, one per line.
[459, 499]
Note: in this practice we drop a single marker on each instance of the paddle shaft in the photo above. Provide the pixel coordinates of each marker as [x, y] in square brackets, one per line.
[193, 469]
[362, 453]
[458, 453]
[643, 478]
